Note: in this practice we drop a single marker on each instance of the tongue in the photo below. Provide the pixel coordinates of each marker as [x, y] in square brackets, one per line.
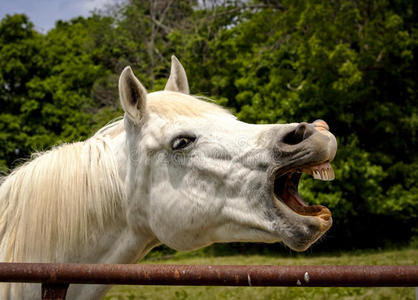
[322, 171]
[289, 195]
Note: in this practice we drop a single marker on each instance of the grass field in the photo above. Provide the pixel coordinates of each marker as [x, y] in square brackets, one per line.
[406, 256]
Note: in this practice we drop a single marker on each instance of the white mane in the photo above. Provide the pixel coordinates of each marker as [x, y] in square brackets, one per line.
[172, 104]
[54, 202]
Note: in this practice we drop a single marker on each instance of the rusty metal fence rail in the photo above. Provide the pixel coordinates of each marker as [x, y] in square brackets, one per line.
[55, 278]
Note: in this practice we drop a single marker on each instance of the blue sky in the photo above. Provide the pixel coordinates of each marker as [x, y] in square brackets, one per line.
[44, 13]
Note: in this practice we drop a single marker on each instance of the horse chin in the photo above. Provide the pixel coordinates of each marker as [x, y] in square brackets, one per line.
[309, 222]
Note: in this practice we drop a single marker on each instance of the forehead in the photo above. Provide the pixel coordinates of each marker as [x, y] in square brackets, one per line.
[170, 105]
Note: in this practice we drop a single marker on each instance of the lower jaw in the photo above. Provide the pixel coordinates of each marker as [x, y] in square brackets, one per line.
[304, 231]
[307, 223]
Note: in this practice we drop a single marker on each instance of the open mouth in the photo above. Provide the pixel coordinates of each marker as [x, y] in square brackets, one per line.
[286, 189]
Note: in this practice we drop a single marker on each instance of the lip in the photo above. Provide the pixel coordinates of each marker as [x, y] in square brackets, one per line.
[308, 222]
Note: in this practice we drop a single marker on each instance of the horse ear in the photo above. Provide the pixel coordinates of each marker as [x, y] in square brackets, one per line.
[132, 95]
[177, 81]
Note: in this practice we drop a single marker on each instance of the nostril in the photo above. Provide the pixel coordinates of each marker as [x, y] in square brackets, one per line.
[300, 133]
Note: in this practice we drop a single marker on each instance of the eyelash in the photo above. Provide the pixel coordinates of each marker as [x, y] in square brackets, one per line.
[182, 142]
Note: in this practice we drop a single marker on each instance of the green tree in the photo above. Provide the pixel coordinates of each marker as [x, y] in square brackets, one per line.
[46, 83]
[20, 61]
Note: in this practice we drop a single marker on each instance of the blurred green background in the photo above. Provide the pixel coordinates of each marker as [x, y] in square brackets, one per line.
[351, 63]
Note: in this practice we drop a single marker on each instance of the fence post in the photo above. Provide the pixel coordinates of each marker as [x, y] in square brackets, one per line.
[54, 291]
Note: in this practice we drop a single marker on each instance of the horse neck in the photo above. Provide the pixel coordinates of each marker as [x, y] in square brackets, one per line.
[63, 202]
[133, 239]
[35, 213]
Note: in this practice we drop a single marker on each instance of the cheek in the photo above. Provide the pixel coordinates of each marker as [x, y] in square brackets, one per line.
[183, 207]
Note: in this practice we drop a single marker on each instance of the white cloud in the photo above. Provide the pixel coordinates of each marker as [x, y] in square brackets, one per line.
[90, 5]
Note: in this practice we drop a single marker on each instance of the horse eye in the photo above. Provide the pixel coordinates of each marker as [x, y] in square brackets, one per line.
[182, 142]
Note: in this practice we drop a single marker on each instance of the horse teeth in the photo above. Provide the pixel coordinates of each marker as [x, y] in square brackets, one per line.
[323, 172]
[316, 174]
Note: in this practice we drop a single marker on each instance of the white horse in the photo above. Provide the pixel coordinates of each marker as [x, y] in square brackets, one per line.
[177, 171]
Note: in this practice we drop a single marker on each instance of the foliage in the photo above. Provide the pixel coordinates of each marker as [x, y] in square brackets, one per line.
[45, 87]
[351, 63]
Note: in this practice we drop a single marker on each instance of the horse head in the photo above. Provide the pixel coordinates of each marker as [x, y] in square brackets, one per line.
[195, 175]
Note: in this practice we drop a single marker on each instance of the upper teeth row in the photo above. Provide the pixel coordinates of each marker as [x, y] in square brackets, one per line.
[324, 173]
